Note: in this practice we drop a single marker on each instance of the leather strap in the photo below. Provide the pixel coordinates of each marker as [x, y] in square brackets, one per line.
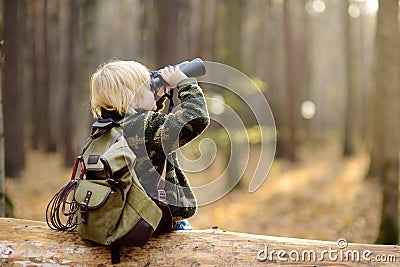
[84, 207]
[161, 194]
[166, 222]
[115, 256]
[116, 137]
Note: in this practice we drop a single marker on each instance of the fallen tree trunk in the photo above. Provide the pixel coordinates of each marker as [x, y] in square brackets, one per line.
[31, 243]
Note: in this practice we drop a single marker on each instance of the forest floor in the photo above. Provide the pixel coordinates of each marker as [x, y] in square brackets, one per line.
[323, 196]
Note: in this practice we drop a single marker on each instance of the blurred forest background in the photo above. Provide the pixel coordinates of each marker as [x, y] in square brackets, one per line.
[328, 68]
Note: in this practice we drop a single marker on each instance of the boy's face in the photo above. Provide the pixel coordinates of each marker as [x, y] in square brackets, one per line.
[148, 100]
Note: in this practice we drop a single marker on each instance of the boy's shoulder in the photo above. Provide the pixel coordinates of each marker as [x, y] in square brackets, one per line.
[148, 117]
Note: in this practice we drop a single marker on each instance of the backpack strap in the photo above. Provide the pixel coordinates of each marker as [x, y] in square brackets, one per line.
[101, 126]
[166, 223]
[116, 137]
[115, 256]
[161, 194]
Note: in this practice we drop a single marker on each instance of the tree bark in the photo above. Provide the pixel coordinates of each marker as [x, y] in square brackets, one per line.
[387, 110]
[234, 27]
[350, 116]
[13, 134]
[33, 243]
[2, 176]
[33, 97]
[73, 82]
[51, 39]
[291, 95]
[167, 46]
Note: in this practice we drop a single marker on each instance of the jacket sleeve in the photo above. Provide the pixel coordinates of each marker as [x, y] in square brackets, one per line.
[177, 129]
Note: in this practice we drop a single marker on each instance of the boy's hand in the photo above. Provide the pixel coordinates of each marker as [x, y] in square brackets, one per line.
[172, 75]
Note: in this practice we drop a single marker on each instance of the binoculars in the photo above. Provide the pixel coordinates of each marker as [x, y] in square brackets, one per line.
[194, 68]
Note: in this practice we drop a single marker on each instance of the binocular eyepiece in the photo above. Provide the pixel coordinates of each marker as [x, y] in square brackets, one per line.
[194, 68]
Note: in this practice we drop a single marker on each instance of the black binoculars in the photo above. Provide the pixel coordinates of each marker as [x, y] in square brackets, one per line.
[194, 68]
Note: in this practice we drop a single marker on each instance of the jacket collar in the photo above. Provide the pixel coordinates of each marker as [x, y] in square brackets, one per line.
[113, 114]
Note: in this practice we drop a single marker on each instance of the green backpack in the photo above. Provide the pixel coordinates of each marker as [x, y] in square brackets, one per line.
[109, 205]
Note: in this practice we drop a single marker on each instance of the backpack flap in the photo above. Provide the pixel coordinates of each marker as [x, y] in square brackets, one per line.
[98, 196]
[90, 196]
[112, 163]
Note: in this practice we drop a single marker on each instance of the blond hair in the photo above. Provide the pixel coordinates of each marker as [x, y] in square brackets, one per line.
[118, 85]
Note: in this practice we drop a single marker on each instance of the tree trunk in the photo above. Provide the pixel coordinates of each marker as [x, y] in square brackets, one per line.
[72, 83]
[167, 46]
[88, 66]
[45, 116]
[23, 61]
[275, 74]
[50, 74]
[32, 243]
[350, 116]
[387, 95]
[233, 42]
[291, 94]
[146, 44]
[389, 227]
[13, 132]
[38, 96]
[2, 174]
[88, 25]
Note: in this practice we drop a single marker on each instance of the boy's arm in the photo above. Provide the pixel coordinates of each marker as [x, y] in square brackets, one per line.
[179, 128]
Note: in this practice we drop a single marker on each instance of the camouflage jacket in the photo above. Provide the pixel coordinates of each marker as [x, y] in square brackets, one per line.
[154, 137]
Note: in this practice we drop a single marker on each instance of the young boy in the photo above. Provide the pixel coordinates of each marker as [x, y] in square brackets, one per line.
[120, 90]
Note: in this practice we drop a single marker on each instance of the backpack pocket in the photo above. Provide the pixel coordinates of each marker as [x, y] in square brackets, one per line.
[100, 206]
[104, 216]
